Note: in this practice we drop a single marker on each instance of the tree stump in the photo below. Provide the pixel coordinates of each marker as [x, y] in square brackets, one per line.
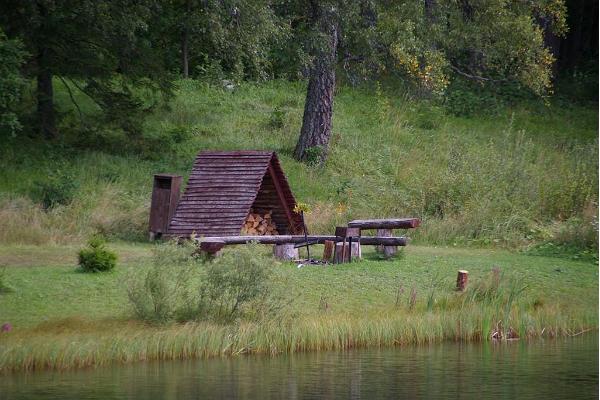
[461, 280]
[285, 252]
[388, 251]
[328, 250]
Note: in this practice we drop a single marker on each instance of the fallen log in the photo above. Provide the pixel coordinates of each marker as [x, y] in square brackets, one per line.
[391, 223]
[283, 239]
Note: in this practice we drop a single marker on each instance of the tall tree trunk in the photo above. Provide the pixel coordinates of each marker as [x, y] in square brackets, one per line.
[185, 41]
[185, 53]
[45, 98]
[313, 144]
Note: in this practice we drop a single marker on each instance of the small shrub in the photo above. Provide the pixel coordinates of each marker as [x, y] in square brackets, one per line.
[277, 118]
[314, 155]
[58, 188]
[429, 118]
[96, 258]
[234, 281]
[183, 286]
[465, 103]
[160, 293]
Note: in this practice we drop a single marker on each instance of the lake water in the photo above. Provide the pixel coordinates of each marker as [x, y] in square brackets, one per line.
[544, 369]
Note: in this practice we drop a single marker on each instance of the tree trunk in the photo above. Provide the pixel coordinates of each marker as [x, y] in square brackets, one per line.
[313, 144]
[185, 53]
[45, 99]
[185, 41]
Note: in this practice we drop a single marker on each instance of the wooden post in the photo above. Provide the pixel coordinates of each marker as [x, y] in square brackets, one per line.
[285, 252]
[388, 251]
[342, 253]
[356, 251]
[461, 280]
[328, 250]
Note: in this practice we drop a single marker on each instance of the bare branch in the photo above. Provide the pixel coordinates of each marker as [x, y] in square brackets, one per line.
[71, 96]
[476, 77]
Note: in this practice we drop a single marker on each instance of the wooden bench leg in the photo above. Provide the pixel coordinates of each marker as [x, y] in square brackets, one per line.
[388, 251]
[285, 252]
[328, 250]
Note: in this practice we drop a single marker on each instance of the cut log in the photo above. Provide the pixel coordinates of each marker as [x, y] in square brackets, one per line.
[328, 250]
[285, 252]
[461, 280]
[282, 239]
[342, 252]
[212, 247]
[391, 223]
[257, 224]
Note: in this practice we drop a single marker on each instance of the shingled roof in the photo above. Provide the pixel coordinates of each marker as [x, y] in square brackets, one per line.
[224, 186]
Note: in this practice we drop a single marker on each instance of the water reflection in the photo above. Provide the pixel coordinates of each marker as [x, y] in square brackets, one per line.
[551, 369]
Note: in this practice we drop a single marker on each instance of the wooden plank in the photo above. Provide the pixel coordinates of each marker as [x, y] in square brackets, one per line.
[282, 239]
[390, 223]
[282, 199]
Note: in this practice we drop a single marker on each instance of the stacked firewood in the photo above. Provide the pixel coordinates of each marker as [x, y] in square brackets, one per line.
[257, 224]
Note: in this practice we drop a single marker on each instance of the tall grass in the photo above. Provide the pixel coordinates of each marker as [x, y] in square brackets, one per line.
[514, 178]
[133, 342]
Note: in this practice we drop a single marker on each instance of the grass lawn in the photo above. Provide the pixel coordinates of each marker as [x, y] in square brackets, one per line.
[63, 318]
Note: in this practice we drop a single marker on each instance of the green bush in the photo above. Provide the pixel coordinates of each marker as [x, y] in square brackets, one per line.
[234, 281]
[181, 285]
[277, 118]
[166, 290]
[314, 155]
[58, 188]
[466, 103]
[96, 258]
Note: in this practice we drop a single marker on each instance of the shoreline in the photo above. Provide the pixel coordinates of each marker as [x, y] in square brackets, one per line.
[71, 351]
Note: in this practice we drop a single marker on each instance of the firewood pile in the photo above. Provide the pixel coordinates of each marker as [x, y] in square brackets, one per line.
[258, 225]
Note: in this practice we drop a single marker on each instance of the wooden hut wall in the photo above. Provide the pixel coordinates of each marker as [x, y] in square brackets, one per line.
[268, 200]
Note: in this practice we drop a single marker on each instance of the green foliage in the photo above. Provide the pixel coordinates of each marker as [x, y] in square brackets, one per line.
[104, 63]
[576, 238]
[235, 281]
[225, 40]
[11, 83]
[96, 257]
[481, 181]
[491, 43]
[57, 188]
[277, 118]
[314, 155]
[183, 286]
[159, 294]
[468, 103]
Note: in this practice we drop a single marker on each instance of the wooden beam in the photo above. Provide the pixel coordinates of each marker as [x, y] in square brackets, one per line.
[283, 239]
[390, 223]
[281, 196]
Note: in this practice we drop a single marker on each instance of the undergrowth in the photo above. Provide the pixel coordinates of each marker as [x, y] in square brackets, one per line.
[519, 177]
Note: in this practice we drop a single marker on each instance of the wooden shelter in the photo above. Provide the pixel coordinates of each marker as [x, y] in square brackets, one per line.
[225, 187]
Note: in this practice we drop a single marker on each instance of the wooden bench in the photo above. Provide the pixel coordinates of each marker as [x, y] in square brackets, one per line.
[384, 229]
